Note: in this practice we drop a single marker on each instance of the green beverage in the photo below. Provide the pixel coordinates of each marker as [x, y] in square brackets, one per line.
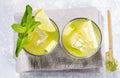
[81, 37]
[44, 38]
[37, 34]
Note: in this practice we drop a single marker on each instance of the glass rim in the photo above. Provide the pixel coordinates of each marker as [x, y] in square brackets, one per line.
[78, 57]
[56, 26]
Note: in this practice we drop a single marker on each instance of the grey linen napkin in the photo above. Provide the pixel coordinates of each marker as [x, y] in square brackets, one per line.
[85, 73]
[59, 60]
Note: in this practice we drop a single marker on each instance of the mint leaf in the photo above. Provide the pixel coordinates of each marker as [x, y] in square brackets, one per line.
[27, 25]
[18, 46]
[27, 18]
[33, 26]
[35, 23]
[18, 28]
[20, 43]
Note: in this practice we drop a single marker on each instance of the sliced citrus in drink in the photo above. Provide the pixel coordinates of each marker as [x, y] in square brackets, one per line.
[46, 24]
[41, 40]
[81, 37]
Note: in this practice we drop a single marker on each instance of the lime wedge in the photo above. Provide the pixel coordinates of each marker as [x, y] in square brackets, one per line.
[90, 33]
[46, 24]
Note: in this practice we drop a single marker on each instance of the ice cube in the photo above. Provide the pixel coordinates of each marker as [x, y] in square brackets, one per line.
[51, 46]
[77, 44]
[92, 34]
[68, 30]
[39, 36]
[76, 41]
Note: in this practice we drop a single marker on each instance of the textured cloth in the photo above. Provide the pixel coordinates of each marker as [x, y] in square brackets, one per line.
[59, 60]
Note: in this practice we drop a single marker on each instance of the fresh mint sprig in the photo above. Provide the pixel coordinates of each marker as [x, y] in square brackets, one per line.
[27, 25]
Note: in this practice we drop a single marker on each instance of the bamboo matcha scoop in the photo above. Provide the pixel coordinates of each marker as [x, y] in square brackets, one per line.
[110, 62]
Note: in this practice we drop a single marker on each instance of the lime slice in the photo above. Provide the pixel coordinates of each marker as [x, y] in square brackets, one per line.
[90, 33]
[46, 24]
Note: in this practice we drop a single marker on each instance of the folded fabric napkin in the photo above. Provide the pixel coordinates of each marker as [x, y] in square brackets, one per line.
[59, 60]
[85, 73]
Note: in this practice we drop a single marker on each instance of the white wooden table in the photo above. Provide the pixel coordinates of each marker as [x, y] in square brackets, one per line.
[9, 7]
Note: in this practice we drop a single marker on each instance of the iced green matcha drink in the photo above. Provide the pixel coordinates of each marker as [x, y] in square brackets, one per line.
[44, 38]
[37, 34]
[81, 37]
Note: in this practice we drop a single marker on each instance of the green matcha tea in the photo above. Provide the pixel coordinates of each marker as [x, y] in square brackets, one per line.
[81, 37]
[44, 38]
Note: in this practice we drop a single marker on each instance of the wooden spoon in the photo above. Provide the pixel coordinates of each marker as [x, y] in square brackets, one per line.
[110, 62]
